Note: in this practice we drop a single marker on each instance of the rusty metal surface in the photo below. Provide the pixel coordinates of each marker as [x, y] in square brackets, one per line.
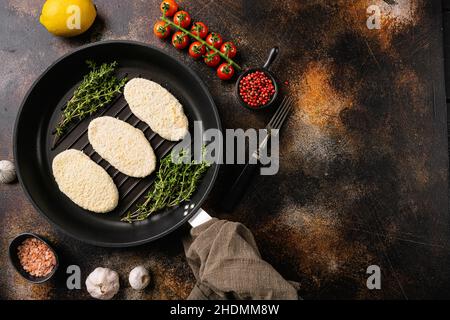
[363, 167]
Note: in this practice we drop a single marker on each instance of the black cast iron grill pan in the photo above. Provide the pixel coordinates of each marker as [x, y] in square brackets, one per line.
[35, 147]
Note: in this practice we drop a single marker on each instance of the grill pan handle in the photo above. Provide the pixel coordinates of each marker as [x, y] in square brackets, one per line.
[199, 218]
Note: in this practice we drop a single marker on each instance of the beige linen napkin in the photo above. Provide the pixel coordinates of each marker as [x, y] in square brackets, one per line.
[227, 265]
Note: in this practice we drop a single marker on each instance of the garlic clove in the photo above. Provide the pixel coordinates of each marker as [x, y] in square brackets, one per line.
[103, 283]
[7, 172]
[139, 278]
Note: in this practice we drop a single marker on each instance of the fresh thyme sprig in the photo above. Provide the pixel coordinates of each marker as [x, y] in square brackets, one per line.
[98, 88]
[175, 182]
[210, 47]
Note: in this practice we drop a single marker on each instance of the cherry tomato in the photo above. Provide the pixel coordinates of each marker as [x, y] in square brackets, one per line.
[197, 50]
[182, 19]
[180, 40]
[214, 39]
[161, 29]
[225, 71]
[169, 7]
[212, 59]
[229, 49]
[199, 29]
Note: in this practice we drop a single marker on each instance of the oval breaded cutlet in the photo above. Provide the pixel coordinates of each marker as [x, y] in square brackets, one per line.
[157, 107]
[85, 183]
[123, 146]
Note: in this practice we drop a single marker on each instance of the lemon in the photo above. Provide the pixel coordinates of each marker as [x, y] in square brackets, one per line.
[68, 18]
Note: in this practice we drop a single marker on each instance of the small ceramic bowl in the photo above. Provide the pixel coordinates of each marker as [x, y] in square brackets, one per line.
[13, 257]
[265, 69]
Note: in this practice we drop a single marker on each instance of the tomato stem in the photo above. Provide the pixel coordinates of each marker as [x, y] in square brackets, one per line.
[225, 57]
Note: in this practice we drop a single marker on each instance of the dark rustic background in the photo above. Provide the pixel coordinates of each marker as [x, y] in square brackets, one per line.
[364, 165]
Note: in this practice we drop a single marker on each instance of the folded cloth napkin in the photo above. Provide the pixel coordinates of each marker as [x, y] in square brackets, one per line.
[227, 265]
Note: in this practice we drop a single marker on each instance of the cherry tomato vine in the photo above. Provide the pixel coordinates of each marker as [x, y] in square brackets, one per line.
[209, 46]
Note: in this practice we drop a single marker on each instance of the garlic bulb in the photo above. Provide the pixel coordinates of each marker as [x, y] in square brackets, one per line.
[7, 172]
[103, 283]
[139, 278]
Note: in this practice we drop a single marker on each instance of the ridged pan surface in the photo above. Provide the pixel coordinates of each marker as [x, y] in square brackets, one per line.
[34, 147]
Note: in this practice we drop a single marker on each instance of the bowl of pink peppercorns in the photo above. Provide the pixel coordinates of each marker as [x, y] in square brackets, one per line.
[256, 88]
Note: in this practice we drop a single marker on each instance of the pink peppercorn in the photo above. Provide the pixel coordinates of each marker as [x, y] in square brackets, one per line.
[256, 89]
